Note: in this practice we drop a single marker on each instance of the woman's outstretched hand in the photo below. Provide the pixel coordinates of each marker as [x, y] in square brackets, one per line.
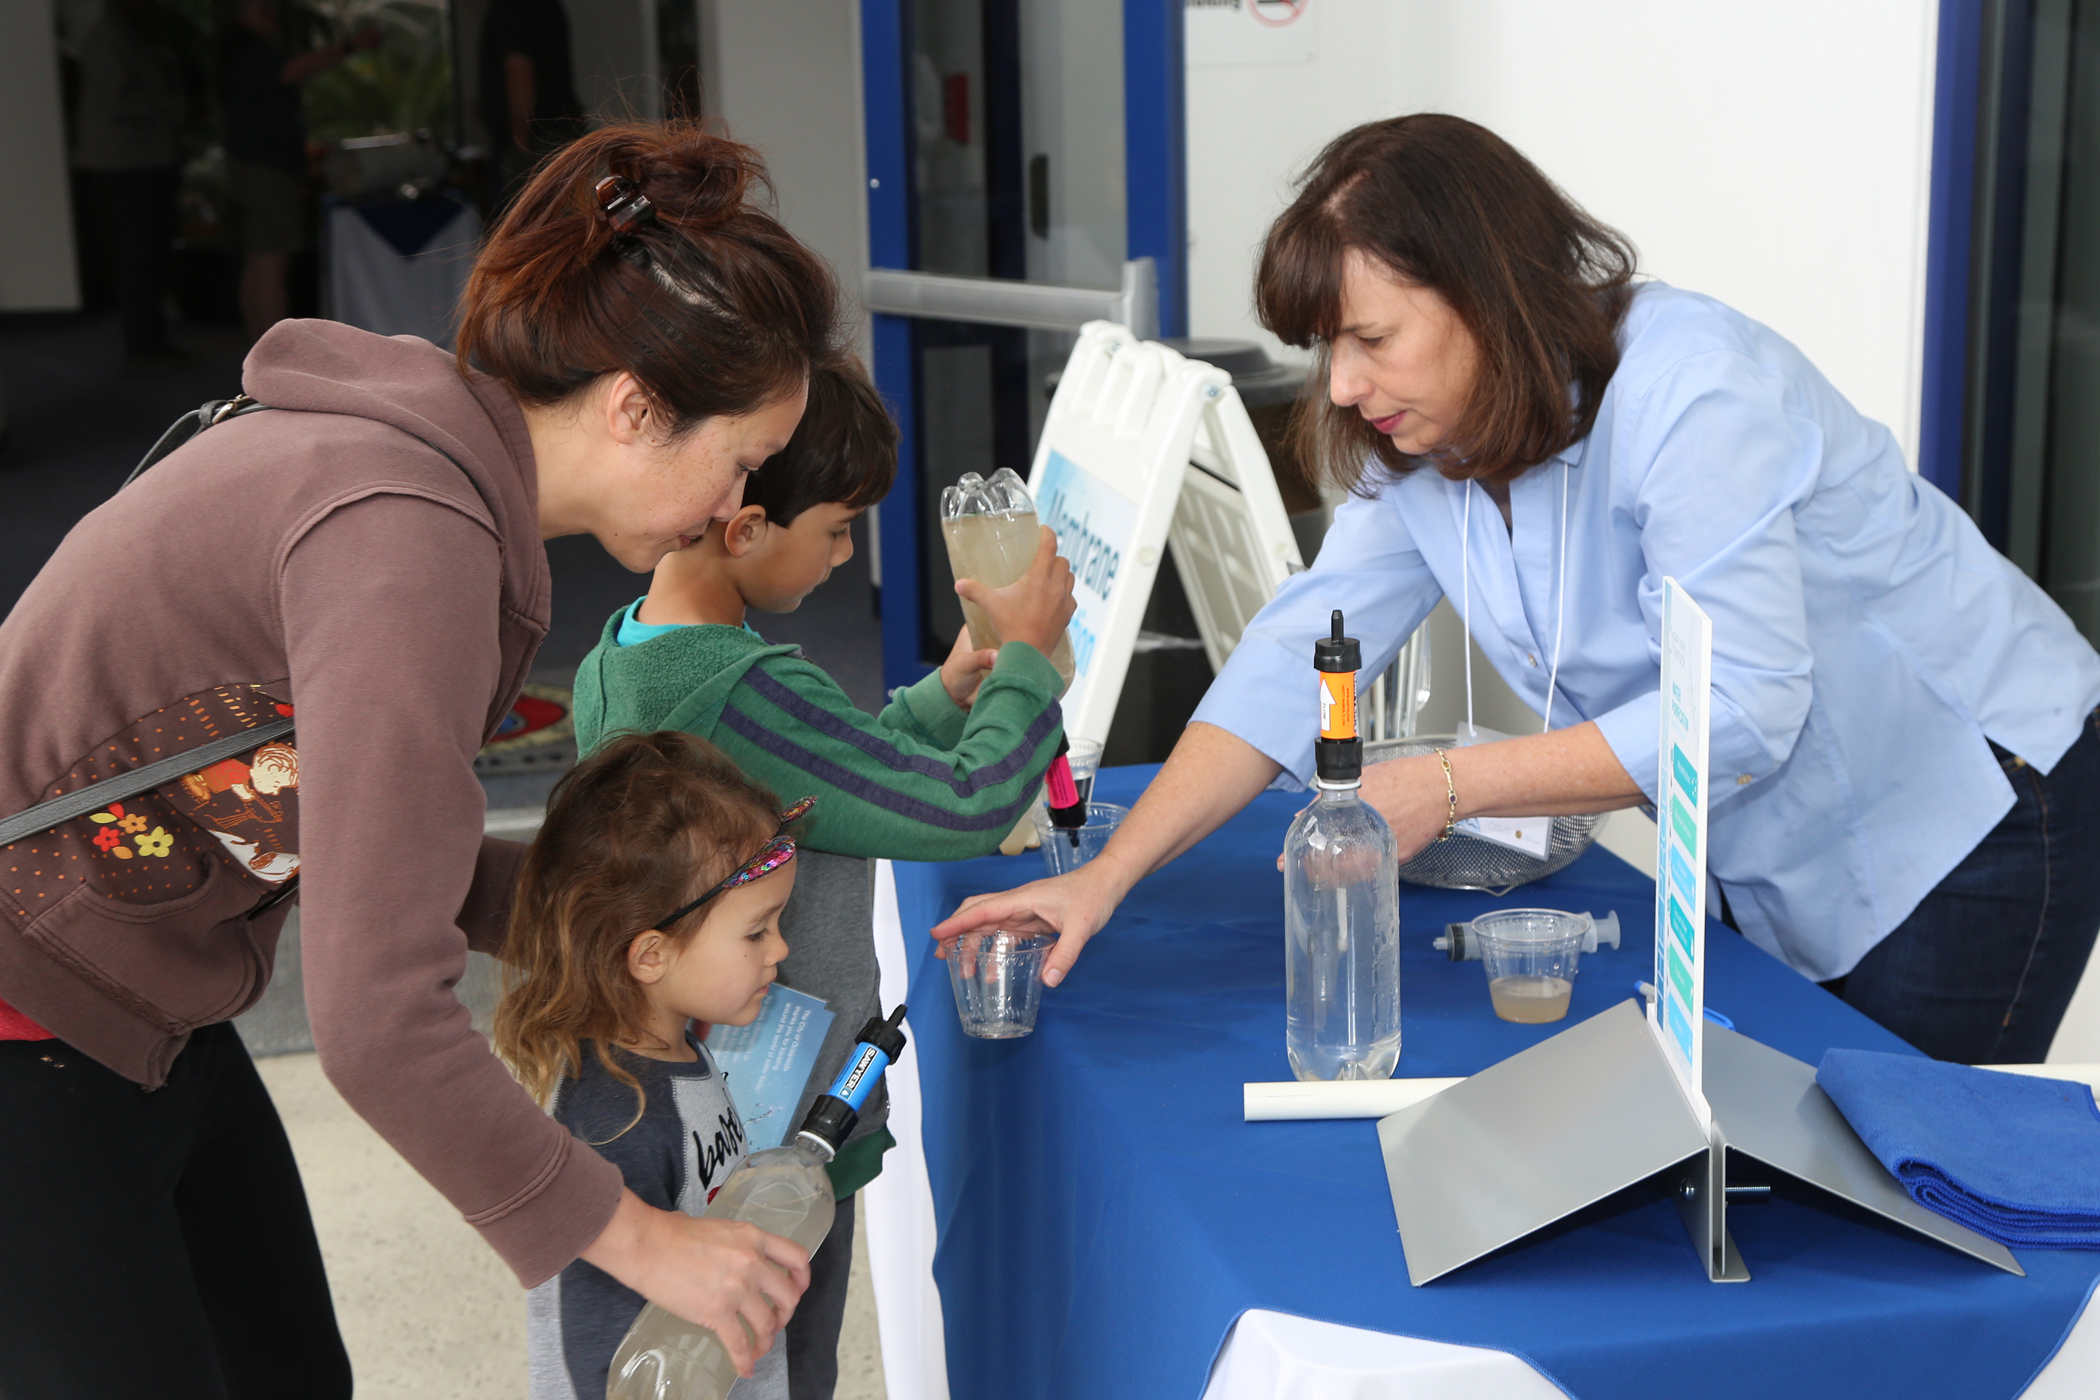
[1209, 776]
[1074, 907]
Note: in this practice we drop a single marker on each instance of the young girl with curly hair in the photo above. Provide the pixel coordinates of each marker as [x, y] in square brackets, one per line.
[650, 901]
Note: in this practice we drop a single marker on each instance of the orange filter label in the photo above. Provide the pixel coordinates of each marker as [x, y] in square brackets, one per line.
[1337, 704]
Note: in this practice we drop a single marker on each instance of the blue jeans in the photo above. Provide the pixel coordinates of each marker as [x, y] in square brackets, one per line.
[1983, 970]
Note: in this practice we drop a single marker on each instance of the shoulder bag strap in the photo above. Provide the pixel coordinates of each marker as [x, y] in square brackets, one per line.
[190, 424]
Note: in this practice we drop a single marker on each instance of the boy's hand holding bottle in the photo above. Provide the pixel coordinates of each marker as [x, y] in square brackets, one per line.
[1034, 608]
[966, 668]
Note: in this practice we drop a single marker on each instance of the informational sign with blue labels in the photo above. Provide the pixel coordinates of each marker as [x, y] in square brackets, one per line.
[766, 1065]
[1680, 842]
[1095, 524]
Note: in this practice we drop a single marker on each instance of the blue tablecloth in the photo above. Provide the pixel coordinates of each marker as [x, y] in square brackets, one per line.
[1105, 1214]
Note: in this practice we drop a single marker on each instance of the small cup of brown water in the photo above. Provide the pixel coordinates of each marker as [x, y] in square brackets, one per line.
[1530, 959]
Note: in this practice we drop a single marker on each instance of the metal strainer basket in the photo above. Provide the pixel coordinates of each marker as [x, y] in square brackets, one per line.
[1469, 863]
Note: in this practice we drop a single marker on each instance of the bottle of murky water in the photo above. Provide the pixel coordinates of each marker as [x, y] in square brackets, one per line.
[992, 536]
[1341, 900]
[784, 1191]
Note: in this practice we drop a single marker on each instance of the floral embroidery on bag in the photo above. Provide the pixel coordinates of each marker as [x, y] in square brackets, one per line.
[166, 843]
[108, 839]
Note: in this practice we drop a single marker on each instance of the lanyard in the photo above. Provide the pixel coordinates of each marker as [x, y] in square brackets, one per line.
[1560, 619]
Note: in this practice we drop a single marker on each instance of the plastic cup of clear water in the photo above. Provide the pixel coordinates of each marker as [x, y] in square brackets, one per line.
[1530, 959]
[1065, 849]
[1084, 755]
[997, 978]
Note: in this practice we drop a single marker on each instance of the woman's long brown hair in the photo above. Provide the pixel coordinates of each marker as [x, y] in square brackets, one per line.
[1446, 204]
[644, 824]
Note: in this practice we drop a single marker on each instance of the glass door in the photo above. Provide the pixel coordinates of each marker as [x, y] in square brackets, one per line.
[2021, 390]
[1016, 189]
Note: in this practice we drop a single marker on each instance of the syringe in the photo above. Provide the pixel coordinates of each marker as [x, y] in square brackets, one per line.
[1459, 943]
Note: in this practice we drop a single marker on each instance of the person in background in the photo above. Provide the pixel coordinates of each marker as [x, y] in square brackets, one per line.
[265, 135]
[132, 107]
[528, 93]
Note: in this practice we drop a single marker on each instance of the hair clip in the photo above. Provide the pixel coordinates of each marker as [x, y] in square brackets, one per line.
[623, 207]
[774, 854]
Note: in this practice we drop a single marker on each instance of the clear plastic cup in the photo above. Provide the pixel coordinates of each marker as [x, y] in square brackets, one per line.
[1065, 849]
[998, 982]
[1530, 957]
[1084, 756]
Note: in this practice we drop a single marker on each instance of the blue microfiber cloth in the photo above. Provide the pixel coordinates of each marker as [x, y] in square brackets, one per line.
[2013, 1157]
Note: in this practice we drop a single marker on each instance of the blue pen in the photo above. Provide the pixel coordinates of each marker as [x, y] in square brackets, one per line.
[1647, 989]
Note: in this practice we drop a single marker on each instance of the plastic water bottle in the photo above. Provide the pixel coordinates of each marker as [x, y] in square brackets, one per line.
[992, 535]
[1341, 900]
[784, 1191]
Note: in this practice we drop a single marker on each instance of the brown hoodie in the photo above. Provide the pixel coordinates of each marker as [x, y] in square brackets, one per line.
[368, 554]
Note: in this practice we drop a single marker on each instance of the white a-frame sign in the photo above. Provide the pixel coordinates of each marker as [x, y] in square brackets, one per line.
[1142, 444]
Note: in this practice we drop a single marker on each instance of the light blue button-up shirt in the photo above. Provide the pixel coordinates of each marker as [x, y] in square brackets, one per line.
[1867, 640]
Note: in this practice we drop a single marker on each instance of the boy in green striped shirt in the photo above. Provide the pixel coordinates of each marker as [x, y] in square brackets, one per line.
[943, 773]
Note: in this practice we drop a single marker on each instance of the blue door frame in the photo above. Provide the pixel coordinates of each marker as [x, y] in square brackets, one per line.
[1949, 237]
[1155, 178]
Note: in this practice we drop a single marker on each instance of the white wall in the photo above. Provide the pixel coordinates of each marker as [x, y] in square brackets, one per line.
[1776, 156]
[36, 222]
[785, 77]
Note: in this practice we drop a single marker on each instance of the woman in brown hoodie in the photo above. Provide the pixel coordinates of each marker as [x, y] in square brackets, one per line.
[365, 558]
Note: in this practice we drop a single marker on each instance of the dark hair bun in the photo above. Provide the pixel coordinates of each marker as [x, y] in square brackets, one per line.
[711, 305]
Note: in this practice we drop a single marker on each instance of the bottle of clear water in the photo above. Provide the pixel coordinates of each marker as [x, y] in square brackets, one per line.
[1341, 900]
[784, 1191]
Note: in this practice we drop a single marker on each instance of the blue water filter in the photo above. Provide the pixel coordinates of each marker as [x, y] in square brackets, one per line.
[832, 1116]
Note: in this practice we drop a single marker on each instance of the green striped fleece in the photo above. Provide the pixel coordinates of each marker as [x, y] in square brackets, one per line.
[923, 780]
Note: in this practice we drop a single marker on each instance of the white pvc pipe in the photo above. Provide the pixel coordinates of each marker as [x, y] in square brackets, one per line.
[1347, 1098]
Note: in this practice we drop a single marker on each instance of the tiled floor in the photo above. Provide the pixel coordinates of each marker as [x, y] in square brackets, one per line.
[427, 1310]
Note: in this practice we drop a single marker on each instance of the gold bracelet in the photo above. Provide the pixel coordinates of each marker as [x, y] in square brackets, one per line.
[1450, 795]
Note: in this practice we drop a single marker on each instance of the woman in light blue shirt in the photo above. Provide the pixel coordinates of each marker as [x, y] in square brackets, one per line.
[1904, 762]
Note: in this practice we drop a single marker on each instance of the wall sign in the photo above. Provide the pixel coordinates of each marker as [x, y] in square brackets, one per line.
[1248, 31]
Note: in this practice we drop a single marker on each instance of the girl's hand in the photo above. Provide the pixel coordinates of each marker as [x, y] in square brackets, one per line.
[965, 669]
[729, 1277]
[1035, 607]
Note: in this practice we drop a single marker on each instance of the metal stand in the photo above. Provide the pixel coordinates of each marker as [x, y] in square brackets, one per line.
[1595, 1110]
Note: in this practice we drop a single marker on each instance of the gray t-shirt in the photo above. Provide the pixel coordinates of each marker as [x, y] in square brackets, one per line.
[687, 1142]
